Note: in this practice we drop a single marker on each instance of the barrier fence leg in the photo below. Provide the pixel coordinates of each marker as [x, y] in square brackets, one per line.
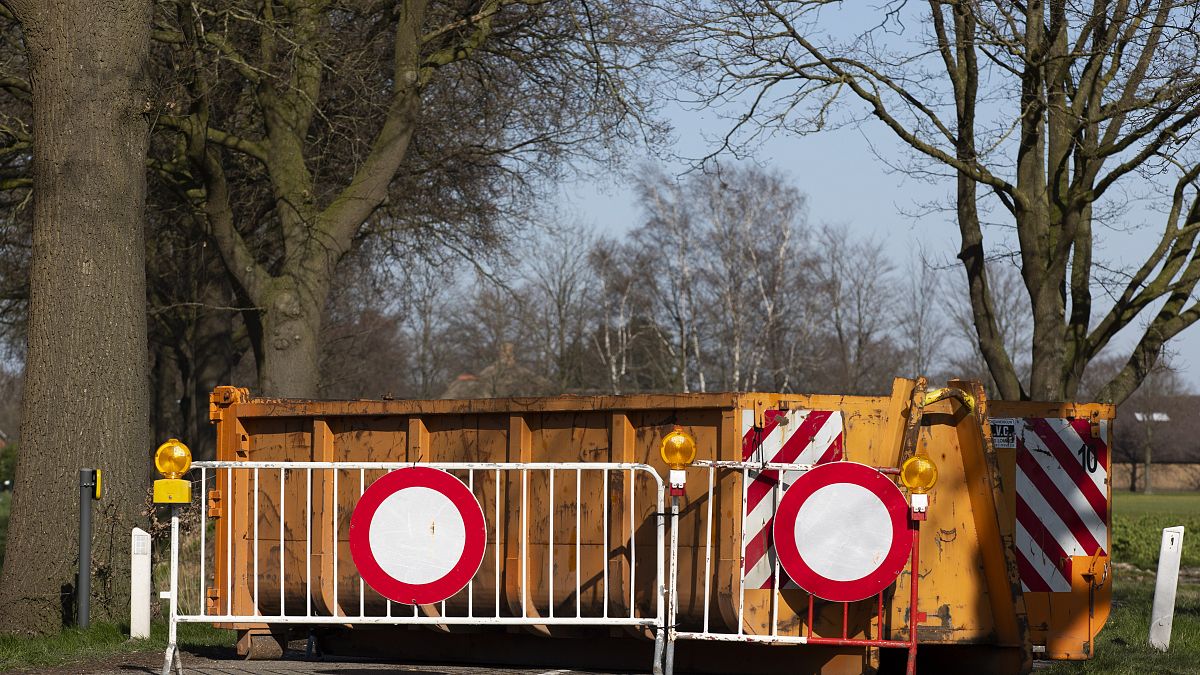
[172, 655]
[913, 614]
[659, 642]
[672, 588]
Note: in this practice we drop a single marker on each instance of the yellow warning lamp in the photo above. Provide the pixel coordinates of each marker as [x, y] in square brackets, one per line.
[172, 459]
[678, 449]
[918, 473]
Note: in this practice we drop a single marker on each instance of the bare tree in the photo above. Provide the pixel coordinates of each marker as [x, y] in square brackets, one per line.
[857, 284]
[431, 297]
[920, 318]
[1010, 307]
[560, 279]
[620, 301]
[669, 242]
[750, 235]
[1043, 112]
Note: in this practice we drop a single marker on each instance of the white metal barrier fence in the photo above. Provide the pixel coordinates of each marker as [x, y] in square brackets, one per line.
[270, 511]
[870, 617]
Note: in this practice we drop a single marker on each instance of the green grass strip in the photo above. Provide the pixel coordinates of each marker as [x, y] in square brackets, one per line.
[100, 641]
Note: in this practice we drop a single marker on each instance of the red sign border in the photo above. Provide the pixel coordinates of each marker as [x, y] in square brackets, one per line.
[473, 548]
[784, 527]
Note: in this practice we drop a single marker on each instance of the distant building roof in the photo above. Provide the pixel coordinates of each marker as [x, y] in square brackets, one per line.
[504, 377]
[1170, 424]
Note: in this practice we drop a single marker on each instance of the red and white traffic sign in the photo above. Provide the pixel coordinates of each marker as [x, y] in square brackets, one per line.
[842, 531]
[417, 535]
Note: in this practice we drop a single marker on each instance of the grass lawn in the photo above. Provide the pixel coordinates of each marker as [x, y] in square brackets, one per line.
[1122, 648]
[1138, 521]
[100, 641]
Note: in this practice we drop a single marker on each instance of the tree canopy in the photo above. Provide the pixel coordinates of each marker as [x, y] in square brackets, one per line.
[1045, 116]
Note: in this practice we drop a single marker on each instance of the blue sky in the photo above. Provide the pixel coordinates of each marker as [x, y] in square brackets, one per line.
[849, 187]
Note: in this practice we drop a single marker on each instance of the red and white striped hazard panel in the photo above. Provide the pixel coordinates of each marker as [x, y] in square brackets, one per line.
[1062, 496]
[787, 437]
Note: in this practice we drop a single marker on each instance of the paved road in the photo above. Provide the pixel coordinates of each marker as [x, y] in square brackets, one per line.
[225, 662]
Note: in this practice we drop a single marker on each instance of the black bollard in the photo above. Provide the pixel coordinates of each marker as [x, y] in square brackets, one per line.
[83, 588]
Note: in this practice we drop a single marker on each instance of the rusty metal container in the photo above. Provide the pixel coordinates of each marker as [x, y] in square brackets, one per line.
[971, 589]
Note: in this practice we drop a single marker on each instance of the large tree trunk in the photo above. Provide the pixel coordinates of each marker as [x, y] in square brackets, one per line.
[291, 319]
[86, 394]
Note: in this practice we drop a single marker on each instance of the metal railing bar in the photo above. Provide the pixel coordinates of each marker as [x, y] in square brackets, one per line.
[708, 534]
[661, 612]
[336, 600]
[578, 541]
[607, 554]
[282, 546]
[632, 542]
[775, 571]
[203, 529]
[447, 466]
[471, 582]
[229, 542]
[424, 620]
[362, 592]
[733, 637]
[496, 529]
[256, 612]
[741, 572]
[550, 562]
[308, 543]
[524, 544]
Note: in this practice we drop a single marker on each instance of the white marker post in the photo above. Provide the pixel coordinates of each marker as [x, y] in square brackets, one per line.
[1162, 612]
[139, 586]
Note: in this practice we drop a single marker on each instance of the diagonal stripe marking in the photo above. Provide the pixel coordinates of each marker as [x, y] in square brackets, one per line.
[1045, 513]
[1046, 488]
[759, 513]
[1032, 446]
[1038, 575]
[1071, 465]
[1032, 581]
[798, 442]
[1039, 537]
[755, 438]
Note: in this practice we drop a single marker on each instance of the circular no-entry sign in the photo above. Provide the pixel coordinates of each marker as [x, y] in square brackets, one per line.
[417, 535]
[841, 531]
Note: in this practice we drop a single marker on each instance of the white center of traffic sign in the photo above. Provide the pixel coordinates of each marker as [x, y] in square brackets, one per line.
[417, 535]
[842, 531]
[828, 516]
